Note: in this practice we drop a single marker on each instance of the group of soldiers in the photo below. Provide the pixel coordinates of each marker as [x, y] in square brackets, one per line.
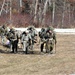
[9, 36]
[48, 39]
[28, 39]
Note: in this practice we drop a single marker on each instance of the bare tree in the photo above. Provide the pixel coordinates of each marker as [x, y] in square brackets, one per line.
[69, 12]
[35, 12]
[44, 12]
[20, 3]
[10, 12]
[53, 13]
[63, 13]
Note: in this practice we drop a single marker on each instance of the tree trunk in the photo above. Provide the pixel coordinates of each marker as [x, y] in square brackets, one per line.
[2, 7]
[20, 3]
[10, 12]
[40, 15]
[63, 14]
[44, 12]
[53, 13]
[69, 13]
[35, 13]
[72, 15]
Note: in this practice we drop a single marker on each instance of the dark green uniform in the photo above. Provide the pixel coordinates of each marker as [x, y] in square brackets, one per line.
[50, 39]
[13, 38]
[42, 37]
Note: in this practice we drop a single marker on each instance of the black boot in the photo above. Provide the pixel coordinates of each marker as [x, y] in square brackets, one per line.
[42, 45]
[51, 49]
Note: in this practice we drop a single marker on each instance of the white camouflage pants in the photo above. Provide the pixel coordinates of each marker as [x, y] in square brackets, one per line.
[25, 44]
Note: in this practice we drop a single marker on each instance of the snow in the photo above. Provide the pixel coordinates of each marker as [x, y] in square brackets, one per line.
[65, 31]
[57, 30]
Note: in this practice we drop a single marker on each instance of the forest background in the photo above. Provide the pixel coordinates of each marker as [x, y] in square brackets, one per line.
[40, 13]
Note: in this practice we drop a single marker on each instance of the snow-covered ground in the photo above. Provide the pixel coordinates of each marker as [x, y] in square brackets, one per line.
[65, 31]
[58, 31]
